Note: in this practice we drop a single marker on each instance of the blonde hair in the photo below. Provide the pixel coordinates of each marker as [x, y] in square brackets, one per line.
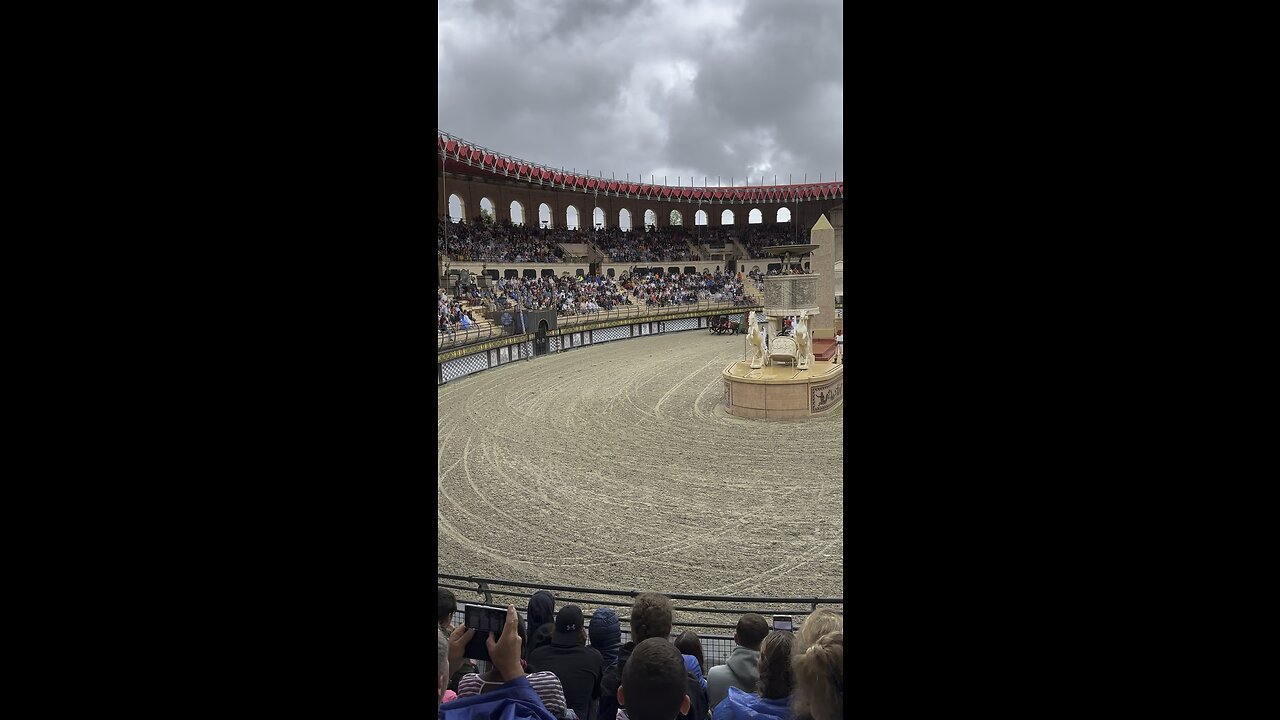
[819, 623]
[819, 677]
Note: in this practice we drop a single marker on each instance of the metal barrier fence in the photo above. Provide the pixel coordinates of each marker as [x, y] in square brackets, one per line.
[717, 639]
[459, 338]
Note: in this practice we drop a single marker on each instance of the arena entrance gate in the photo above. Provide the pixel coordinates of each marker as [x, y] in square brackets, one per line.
[540, 340]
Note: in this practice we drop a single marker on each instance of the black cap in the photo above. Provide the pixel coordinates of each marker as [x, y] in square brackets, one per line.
[568, 626]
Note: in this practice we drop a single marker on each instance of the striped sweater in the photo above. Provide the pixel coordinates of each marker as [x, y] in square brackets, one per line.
[545, 684]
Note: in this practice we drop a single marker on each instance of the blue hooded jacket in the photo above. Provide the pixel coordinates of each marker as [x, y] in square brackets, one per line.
[606, 634]
[741, 705]
[515, 700]
[693, 668]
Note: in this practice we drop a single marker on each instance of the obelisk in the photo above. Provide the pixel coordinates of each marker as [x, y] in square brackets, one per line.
[824, 265]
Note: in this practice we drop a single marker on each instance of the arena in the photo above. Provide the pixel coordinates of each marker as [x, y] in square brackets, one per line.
[616, 466]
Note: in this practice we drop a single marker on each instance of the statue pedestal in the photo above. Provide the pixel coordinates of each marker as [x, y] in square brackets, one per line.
[790, 383]
[783, 392]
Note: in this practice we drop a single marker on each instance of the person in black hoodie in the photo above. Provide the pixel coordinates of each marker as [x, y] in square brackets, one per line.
[577, 665]
[542, 610]
[650, 618]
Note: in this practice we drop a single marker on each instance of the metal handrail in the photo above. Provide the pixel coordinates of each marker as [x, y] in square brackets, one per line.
[633, 593]
[636, 311]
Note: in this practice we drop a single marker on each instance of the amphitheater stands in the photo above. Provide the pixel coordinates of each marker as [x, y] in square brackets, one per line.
[570, 295]
[756, 237]
[651, 245]
[501, 242]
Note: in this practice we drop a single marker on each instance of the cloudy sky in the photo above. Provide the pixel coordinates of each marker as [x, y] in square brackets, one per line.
[687, 88]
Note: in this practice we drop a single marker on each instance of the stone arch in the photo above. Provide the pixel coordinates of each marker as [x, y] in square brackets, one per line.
[700, 218]
[677, 218]
[571, 218]
[624, 219]
[457, 208]
[726, 217]
[650, 218]
[517, 212]
[487, 204]
[544, 215]
[755, 217]
[597, 218]
[784, 214]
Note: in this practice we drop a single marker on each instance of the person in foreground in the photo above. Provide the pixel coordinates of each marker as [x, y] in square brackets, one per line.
[819, 673]
[545, 684]
[654, 682]
[740, 671]
[775, 684]
[515, 698]
[577, 666]
[650, 618]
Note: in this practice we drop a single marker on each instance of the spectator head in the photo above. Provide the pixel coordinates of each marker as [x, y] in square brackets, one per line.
[819, 675]
[606, 634]
[776, 679]
[569, 629]
[651, 617]
[442, 666]
[689, 644]
[654, 679]
[751, 630]
[446, 606]
[542, 610]
[819, 623]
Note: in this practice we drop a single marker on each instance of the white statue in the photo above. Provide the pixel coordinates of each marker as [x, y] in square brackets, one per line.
[804, 346]
[756, 338]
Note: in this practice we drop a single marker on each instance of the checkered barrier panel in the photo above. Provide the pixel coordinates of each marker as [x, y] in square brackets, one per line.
[465, 365]
[527, 350]
[681, 324]
[613, 333]
[553, 344]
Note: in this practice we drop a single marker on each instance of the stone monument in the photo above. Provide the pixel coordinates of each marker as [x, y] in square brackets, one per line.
[783, 378]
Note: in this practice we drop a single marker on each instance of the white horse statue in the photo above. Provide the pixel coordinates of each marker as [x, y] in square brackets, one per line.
[804, 344]
[757, 341]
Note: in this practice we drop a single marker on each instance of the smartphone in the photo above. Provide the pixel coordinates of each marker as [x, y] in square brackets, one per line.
[484, 619]
[782, 622]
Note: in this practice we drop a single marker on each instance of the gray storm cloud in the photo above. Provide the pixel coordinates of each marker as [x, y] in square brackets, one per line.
[727, 88]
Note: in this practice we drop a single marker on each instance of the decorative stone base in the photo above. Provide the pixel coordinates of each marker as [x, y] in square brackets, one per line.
[780, 392]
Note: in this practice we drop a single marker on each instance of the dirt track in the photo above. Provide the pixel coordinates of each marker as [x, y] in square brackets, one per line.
[616, 466]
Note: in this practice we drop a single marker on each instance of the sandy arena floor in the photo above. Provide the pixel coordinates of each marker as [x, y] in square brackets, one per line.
[616, 466]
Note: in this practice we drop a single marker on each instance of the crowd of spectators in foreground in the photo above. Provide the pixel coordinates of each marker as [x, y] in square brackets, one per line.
[548, 670]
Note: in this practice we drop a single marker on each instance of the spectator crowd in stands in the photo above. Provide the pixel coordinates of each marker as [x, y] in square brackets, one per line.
[755, 238]
[581, 295]
[503, 241]
[649, 245]
[500, 242]
[450, 317]
[549, 672]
